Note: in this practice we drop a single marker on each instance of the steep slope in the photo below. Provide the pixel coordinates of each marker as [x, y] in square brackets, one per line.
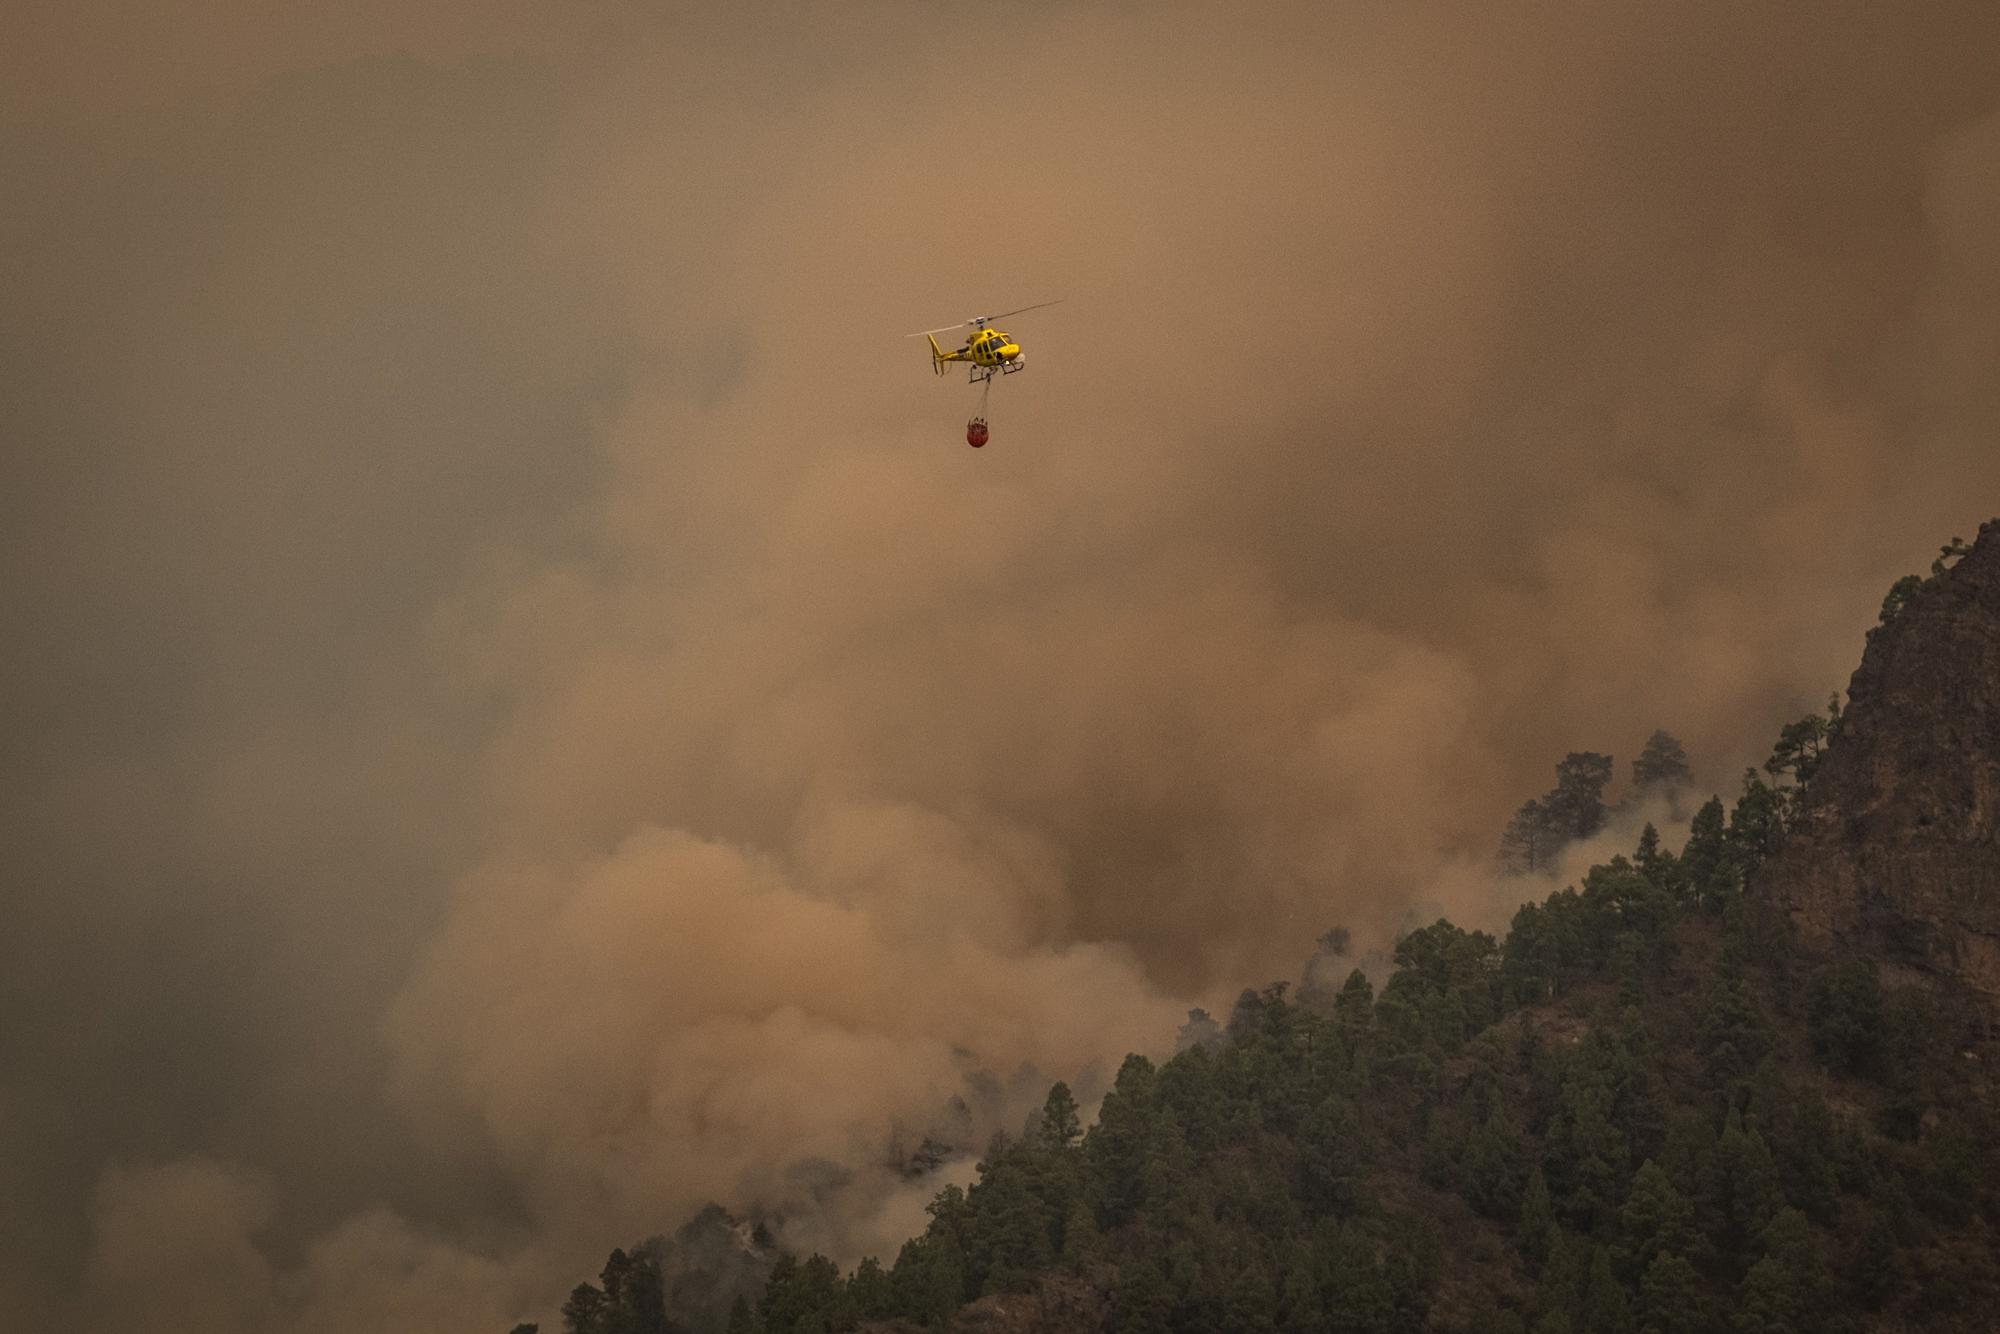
[1895, 849]
[1644, 1109]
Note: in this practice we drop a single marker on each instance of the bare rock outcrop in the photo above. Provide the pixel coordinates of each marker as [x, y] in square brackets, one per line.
[1895, 850]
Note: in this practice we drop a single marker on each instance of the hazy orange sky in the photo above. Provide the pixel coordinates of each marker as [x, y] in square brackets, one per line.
[523, 715]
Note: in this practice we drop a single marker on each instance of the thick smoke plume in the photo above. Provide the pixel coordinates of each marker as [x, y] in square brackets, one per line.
[522, 719]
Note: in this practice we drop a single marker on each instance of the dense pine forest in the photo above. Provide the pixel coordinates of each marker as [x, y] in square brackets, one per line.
[1650, 1107]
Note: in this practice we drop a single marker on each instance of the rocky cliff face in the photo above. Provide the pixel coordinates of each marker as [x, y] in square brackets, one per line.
[1896, 847]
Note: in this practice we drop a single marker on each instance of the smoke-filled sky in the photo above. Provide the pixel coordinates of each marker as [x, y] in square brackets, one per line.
[522, 715]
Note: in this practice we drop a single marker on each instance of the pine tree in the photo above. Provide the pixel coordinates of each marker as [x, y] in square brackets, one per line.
[1143, 1299]
[1877, 1271]
[800, 1296]
[635, 1301]
[1741, 1193]
[1299, 1305]
[1060, 1126]
[1530, 841]
[1844, 1016]
[1167, 1181]
[1531, 960]
[1898, 595]
[1733, 1035]
[928, 1281]
[1357, 1297]
[1354, 1009]
[1537, 1230]
[1411, 1259]
[1118, 1145]
[1705, 858]
[1656, 1218]
[1623, 900]
[1670, 1297]
[1081, 1241]
[1602, 1306]
[1801, 746]
[583, 1313]
[1648, 856]
[1807, 1145]
[1755, 823]
[1494, 1165]
[1785, 1290]
[1330, 1158]
[869, 1291]
[1576, 806]
[1949, 554]
[1007, 1240]
[1688, 1148]
[1559, 1289]
[1661, 768]
[1200, 1030]
[1586, 1155]
[1250, 1302]
[1771, 1299]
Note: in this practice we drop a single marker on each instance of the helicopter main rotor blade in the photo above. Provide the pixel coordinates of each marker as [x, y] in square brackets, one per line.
[988, 319]
[981, 321]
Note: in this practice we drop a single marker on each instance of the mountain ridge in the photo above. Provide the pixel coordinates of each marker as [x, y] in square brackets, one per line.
[1894, 850]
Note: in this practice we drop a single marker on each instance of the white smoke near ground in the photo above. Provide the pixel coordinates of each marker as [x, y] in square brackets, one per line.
[622, 1052]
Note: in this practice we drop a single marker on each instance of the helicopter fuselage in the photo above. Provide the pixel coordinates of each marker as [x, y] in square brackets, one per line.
[988, 353]
[988, 347]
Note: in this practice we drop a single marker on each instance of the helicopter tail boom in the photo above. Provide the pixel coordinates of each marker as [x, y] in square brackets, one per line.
[937, 356]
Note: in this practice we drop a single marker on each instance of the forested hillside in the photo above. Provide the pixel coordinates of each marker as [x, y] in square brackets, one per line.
[1656, 1105]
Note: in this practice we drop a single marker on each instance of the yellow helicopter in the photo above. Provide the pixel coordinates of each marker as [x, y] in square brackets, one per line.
[989, 351]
